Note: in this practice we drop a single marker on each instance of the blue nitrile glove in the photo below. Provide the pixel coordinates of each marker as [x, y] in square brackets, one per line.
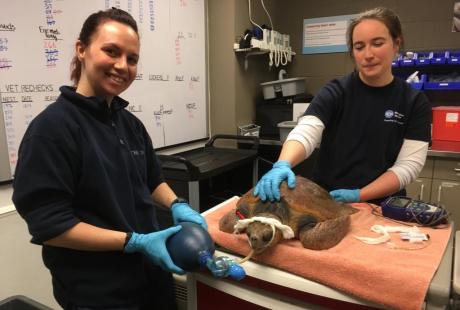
[269, 185]
[346, 195]
[153, 245]
[182, 212]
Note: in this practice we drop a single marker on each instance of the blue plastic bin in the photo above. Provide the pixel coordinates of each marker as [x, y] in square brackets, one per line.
[439, 58]
[407, 62]
[441, 85]
[454, 58]
[395, 62]
[423, 58]
[419, 85]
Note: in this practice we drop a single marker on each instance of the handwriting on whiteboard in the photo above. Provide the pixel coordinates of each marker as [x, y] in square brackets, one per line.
[37, 45]
[5, 63]
[3, 44]
[7, 27]
[133, 108]
[49, 12]
[51, 34]
[159, 114]
[191, 107]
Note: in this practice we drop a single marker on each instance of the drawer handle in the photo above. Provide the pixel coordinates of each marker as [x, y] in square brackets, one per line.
[457, 169]
[439, 194]
[421, 191]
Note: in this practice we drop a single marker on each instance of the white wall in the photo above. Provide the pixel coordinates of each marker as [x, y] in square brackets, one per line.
[21, 267]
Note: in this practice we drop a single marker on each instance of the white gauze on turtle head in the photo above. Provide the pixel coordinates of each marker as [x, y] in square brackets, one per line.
[286, 231]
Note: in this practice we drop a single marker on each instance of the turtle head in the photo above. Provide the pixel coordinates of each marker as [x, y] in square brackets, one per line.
[261, 237]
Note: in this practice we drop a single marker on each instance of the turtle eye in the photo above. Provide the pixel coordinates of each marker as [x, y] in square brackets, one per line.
[267, 237]
[243, 210]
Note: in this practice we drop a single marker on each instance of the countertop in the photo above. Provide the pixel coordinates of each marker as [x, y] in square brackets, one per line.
[443, 154]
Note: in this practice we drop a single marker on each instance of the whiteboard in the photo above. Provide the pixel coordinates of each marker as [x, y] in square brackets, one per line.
[37, 40]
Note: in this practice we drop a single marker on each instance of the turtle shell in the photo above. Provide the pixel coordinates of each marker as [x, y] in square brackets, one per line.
[317, 220]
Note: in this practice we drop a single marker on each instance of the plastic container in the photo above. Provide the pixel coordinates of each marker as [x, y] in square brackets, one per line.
[283, 88]
[454, 58]
[251, 130]
[285, 128]
[428, 84]
[446, 128]
[423, 58]
[439, 58]
[420, 84]
[408, 61]
[395, 62]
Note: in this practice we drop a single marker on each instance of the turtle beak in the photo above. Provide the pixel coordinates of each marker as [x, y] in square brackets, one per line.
[260, 237]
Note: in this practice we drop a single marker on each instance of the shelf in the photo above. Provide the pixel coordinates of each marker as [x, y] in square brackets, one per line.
[430, 71]
[256, 51]
[253, 51]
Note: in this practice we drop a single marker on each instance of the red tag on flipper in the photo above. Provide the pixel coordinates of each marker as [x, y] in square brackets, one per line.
[239, 214]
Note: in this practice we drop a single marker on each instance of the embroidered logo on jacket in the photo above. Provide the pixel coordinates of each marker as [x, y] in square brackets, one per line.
[137, 152]
[394, 117]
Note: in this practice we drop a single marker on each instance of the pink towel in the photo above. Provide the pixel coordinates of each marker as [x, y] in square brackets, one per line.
[395, 278]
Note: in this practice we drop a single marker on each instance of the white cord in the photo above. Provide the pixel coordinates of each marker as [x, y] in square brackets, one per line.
[277, 55]
[385, 230]
[250, 18]
[284, 55]
[266, 11]
[285, 230]
[270, 62]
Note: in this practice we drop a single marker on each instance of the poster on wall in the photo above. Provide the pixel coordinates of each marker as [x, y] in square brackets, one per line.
[325, 34]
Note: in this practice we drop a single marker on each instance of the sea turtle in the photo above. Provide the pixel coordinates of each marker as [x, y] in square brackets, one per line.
[308, 210]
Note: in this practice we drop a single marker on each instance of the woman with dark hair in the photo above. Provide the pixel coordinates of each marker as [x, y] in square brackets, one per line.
[87, 179]
[374, 128]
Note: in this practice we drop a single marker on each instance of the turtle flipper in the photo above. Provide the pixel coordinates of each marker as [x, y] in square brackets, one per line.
[325, 234]
[228, 221]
